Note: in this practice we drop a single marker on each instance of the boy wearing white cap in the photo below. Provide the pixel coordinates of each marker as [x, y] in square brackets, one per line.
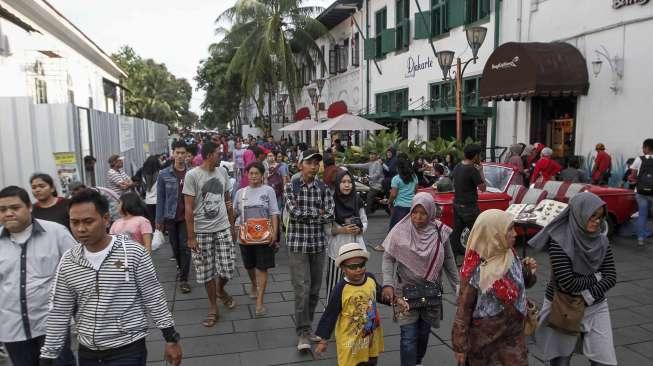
[352, 311]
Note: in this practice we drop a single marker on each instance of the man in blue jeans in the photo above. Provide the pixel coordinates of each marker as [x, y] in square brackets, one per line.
[170, 210]
[30, 250]
[642, 168]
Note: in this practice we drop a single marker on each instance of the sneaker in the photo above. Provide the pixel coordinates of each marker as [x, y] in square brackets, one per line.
[184, 287]
[314, 338]
[3, 352]
[303, 343]
[640, 243]
[172, 259]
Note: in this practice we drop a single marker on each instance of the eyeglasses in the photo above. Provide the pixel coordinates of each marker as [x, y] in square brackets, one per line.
[597, 218]
[355, 266]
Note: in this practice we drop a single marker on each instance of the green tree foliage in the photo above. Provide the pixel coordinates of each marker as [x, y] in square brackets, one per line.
[223, 89]
[273, 38]
[152, 91]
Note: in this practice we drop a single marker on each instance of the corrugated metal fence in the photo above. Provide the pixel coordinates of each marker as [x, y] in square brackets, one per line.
[30, 134]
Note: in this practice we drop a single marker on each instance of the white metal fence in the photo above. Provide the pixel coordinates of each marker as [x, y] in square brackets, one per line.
[31, 133]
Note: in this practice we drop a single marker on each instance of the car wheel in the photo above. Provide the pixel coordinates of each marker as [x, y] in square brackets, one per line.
[609, 226]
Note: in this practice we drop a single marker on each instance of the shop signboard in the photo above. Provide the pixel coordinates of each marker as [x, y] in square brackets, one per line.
[419, 64]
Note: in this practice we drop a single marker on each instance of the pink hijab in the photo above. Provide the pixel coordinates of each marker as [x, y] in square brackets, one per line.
[420, 250]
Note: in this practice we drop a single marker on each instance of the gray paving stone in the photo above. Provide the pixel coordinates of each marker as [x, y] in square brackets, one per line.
[277, 338]
[252, 325]
[279, 286]
[209, 346]
[279, 356]
[630, 335]
[184, 317]
[624, 317]
[277, 308]
[636, 354]
[228, 360]
[190, 331]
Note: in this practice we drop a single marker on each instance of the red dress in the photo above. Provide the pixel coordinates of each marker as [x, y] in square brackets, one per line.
[601, 165]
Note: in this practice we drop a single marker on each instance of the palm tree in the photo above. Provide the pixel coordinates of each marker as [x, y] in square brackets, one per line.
[273, 36]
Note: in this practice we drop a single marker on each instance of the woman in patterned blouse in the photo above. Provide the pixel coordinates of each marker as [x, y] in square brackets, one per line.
[489, 324]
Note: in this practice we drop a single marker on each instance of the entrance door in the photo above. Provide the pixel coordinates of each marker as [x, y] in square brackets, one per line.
[553, 123]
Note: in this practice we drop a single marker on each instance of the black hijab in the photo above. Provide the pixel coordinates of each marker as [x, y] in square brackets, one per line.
[347, 205]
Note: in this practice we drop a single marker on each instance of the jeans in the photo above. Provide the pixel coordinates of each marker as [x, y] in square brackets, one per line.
[398, 213]
[645, 205]
[135, 359]
[413, 343]
[26, 353]
[464, 216]
[177, 236]
[306, 278]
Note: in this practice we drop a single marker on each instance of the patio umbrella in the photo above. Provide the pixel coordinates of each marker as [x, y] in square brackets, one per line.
[303, 125]
[348, 122]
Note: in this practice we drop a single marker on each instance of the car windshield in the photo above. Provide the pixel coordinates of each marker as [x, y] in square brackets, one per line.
[497, 178]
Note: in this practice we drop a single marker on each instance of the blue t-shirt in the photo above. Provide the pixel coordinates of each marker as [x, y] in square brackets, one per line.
[405, 192]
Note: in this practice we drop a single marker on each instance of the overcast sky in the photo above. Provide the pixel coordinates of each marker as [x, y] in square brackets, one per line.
[174, 32]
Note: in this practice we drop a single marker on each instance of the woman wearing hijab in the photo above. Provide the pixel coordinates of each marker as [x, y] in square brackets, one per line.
[150, 173]
[489, 324]
[514, 158]
[349, 226]
[417, 252]
[582, 264]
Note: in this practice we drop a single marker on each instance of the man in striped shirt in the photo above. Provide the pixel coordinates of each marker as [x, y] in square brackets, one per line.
[117, 180]
[108, 283]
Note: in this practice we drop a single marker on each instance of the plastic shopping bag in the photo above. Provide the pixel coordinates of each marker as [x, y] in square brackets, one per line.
[157, 239]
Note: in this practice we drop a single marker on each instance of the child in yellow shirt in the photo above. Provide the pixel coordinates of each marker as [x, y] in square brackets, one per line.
[352, 312]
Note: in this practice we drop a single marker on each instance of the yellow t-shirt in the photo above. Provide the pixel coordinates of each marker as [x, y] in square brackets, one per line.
[358, 331]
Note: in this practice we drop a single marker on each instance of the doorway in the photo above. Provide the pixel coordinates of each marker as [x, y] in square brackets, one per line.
[553, 123]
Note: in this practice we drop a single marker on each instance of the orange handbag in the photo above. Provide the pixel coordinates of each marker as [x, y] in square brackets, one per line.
[253, 231]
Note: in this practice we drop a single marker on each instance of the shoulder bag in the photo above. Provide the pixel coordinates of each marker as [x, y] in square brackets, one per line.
[567, 312]
[426, 295]
[253, 231]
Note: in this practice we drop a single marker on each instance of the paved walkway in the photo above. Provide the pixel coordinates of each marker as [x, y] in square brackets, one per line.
[241, 339]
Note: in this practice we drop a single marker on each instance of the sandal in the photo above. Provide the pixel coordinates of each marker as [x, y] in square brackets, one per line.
[227, 300]
[261, 312]
[211, 320]
[379, 248]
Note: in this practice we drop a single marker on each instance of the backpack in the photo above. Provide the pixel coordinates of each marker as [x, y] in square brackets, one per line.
[276, 181]
[645, 177]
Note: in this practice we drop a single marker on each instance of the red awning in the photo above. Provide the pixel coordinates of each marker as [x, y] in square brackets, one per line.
[336, 109]
[302, 113]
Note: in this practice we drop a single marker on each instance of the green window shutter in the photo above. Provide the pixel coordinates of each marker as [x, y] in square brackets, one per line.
[370, 49]
[485, 8]
[455, 13]
[388, 40]
[406, 33]
[422, 25]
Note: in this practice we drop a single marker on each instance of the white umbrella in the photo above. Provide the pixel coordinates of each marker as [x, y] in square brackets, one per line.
[303, 125]
[348, 122]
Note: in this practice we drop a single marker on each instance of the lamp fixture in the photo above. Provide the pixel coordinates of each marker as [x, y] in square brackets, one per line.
[445, 59]
[312, 92]
[320, 84]
[616, 66]
[475, 38]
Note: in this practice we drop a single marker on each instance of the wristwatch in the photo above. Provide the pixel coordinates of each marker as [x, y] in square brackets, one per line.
[173, 337]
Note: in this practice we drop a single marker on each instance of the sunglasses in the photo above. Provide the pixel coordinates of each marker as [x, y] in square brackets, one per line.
[355, 266]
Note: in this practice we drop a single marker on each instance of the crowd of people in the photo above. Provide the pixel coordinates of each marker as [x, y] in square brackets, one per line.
[87, 257]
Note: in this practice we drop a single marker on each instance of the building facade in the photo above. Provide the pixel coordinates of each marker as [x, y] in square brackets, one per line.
[45, 56]
[607, 41]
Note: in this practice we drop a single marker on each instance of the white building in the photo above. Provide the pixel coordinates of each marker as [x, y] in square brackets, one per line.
[608, 49]
[45, 56]
[381, 64]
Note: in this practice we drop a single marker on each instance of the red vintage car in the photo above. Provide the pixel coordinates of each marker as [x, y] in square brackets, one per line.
[501, 193]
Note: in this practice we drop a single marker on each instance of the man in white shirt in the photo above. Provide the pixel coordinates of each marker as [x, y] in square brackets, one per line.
[30, 250]
[642, 168]
[117, 180]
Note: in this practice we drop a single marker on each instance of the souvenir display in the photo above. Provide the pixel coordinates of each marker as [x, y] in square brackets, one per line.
[541, 215]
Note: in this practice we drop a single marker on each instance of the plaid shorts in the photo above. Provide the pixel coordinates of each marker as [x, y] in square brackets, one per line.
[215, 257]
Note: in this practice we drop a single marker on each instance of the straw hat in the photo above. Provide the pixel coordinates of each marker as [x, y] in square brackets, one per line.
[351, 250]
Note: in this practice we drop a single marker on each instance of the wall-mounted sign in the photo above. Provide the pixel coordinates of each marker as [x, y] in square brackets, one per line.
[621, 3]
[512, 64]
[418, 65]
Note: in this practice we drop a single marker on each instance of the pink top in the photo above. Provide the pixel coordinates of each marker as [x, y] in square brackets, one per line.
[135, 226]
[197, 160]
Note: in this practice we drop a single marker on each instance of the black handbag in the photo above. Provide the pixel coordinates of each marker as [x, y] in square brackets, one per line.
[424, 296]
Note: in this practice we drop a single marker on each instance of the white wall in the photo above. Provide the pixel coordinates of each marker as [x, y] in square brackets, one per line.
[70, 72]
[621, 121]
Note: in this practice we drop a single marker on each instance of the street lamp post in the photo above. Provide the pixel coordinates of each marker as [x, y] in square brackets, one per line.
[475, 38]
[315, 94]
[281, 106]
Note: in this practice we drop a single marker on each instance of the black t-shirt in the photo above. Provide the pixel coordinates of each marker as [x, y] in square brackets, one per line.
[57, 213]
[179, 215]
[466, 179]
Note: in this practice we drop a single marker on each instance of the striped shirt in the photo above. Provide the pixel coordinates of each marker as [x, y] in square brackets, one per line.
[111, 304]
[565, 279]
[310, 206]
[115, 178]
